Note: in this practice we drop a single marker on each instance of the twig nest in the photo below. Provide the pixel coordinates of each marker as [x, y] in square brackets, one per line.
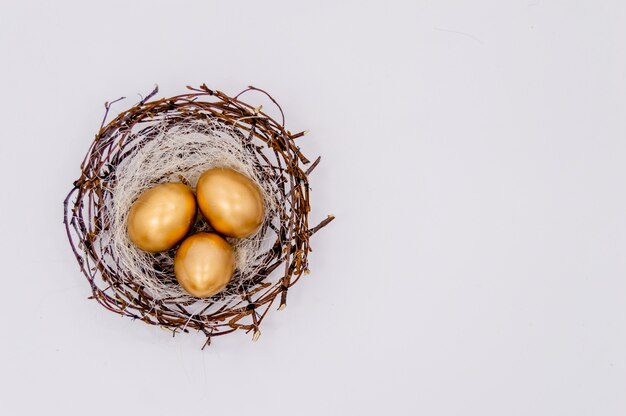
[214, 284]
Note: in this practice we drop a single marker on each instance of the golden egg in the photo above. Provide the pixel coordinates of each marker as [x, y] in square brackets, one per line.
[204, 264]
[230, 201]
[161, 216]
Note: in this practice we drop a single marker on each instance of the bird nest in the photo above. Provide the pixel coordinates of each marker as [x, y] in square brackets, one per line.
[176, 139]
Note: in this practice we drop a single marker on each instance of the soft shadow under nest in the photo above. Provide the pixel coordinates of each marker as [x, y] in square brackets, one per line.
[176, 139]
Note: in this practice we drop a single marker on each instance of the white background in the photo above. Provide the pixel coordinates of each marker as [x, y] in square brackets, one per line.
[474, 154]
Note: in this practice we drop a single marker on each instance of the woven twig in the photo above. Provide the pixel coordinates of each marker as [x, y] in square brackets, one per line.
[276, 152]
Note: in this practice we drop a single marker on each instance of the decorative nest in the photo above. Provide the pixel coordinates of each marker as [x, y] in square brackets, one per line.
[176, 139]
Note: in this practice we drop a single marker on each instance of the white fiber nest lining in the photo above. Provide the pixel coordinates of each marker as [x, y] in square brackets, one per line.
[184, 150]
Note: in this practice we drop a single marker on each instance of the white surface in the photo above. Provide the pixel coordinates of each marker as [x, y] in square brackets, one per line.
[473, 153]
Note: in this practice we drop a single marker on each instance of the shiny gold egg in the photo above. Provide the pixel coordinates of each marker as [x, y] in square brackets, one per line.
[161, 216]
[204, 264]
[230, 201]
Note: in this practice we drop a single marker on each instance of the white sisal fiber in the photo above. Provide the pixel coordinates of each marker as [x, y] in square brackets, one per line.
[169, 153]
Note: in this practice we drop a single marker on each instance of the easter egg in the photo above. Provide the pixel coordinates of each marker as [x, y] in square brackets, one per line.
[161, 216]
[231, 202]
[204, 264]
